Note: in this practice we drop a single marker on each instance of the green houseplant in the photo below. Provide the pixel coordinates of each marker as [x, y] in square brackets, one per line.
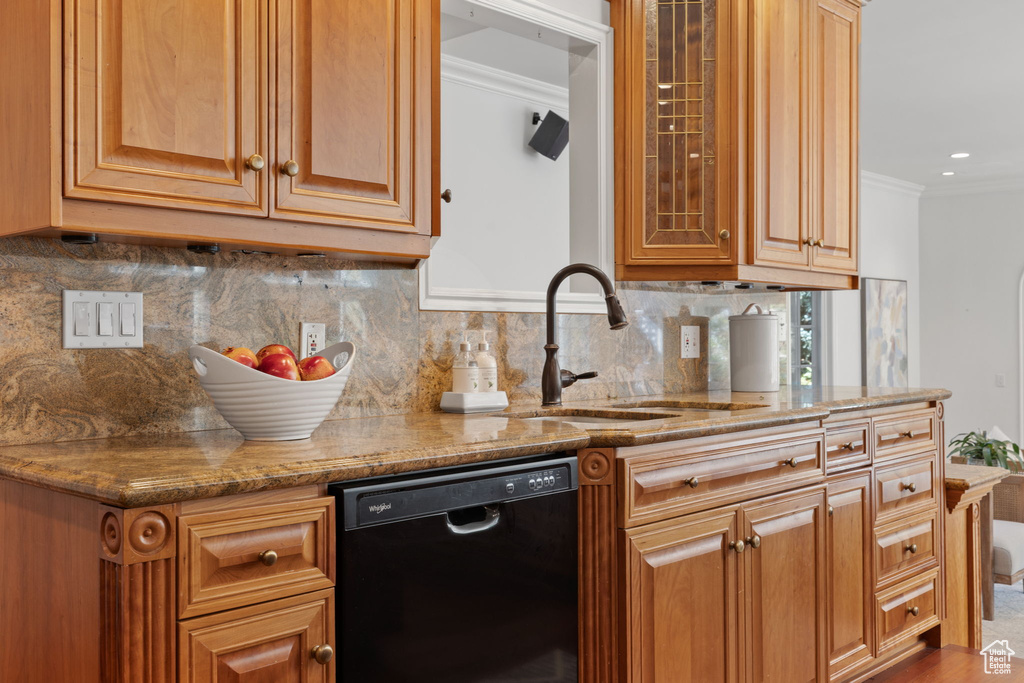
[979, 448]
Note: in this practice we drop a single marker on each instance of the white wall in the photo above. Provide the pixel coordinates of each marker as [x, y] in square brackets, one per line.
[972, 255]
[889, 247]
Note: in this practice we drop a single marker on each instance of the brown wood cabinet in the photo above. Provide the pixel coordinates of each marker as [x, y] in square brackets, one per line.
[736, 141]
[295, 125]
[744, 557]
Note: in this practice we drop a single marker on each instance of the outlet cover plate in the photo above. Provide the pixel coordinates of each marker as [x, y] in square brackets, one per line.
[102, 320]
[689, 341]
[312, 338]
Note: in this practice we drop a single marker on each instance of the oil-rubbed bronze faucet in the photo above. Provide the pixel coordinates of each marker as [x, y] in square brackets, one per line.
[553, 380]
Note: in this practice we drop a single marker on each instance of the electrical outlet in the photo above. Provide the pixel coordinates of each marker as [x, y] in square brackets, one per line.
[689, 341]
[313, 338]
[1001, 380]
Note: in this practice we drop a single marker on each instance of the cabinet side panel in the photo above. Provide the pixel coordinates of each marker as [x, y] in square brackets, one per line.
[49, 580]
[29, 69]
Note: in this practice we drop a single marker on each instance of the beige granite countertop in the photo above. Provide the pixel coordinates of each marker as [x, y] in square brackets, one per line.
[150, 470]
[965, 477]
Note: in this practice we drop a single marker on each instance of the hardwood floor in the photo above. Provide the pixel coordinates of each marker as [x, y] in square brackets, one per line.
[951, 664]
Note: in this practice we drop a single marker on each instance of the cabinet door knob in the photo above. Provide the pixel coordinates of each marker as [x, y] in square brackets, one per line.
[831, 510]
[913, 610]
[255, 162]
[819, 243]
[290, 168]
[738, 546]
[691, 482]
[447, 196]
[912, 487]
[725, 234]
[791, 462]
[912, 548]
[754, 541]
[268, 558]
[809, 242]
[323, 653]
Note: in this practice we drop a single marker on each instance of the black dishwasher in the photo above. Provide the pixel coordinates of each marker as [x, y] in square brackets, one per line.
[463, 577]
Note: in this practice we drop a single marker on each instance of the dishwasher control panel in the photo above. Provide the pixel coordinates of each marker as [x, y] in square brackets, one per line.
[390, 502]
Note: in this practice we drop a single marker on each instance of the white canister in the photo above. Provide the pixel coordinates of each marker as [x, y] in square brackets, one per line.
[754, 350]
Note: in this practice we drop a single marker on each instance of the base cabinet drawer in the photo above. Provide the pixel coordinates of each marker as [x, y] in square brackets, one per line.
[287, 641]
[905, 485]
[905, 547]
[910, 433]
[907, 610]
[234, 558]
[847, 447]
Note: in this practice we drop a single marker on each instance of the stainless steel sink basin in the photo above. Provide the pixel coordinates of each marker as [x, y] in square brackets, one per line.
[709, 406]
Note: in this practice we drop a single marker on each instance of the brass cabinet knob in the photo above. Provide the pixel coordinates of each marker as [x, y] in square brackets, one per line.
[447, 196]
[691, 482]
[754, 541]
[847, 446]
[913, 610]
[323, 653]
[912, 487]
[268, 558]
[738, 546]
[791, 462]
[290, 168]
[831, 510]
[912, 548]
[809, 242]
[909, 435]
[725, 234]
[819, 243]
[255, 162]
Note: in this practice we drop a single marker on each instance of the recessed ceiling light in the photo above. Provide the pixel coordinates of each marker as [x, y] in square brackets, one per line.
[960, 155]
[948, 173]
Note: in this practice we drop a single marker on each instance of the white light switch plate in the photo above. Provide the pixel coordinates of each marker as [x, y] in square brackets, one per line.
[313, 337]
[102, 320]
[689, 341]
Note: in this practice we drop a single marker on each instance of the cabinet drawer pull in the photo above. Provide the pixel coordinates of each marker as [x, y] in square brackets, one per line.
[912, 487]
[268, 558]
[290, 168]
[909, 435]
[447, 196]
[255, 163]
[323, 653]
[738, 546]
[913, 610]
[848, 446]
[912, 548]
[691, 482]
[754, 541]
[791, 462]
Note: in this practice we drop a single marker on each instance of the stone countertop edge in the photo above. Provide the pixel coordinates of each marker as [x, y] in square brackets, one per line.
[41, 465]
[965, 477]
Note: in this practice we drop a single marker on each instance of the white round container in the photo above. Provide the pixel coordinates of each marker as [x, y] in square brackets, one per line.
[267, 408]
[754, 350]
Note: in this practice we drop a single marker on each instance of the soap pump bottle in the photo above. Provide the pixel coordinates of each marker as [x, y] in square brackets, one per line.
[465, 371]
[488, 365]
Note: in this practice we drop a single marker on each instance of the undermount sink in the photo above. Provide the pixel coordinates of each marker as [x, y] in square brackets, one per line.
[709, 406]
[583, 417]
[589, 419]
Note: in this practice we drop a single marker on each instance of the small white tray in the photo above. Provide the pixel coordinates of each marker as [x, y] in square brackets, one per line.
[481, 402]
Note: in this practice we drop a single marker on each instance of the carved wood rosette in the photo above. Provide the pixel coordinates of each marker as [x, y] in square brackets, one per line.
[598, 566]
[137, 595]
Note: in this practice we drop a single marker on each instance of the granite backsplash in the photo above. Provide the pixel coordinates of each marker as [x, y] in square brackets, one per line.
[403, 357]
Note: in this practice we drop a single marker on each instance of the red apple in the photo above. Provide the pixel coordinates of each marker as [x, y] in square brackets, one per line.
[271, 349]
[314, 368]
[279, 365]
[242, 355]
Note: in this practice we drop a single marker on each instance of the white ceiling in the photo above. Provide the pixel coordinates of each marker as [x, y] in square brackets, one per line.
[943, 76]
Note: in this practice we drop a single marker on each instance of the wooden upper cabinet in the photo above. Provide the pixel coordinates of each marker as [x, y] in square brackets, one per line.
[786, 603]
[674, 133]
[353, 108]
[165, 102]
[779, 132]
[835, 177]
[683, 602]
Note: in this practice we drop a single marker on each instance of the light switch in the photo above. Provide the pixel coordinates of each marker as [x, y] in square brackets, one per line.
[81, 313]
[106, 319]
[127, 320]
[102, 320]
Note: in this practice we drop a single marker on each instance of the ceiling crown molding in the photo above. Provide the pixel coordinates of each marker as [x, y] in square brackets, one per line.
[890, 184]
[1015, 184]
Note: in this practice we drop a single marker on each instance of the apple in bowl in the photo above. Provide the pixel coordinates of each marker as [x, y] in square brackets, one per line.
[314, 368]
[280, 365]
[243, 355]
[271, 349]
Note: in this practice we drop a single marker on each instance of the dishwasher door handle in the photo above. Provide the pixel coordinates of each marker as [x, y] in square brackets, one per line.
[492, 515]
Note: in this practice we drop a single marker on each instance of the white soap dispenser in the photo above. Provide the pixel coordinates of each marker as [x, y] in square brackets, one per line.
[488, 365]
[465, 371]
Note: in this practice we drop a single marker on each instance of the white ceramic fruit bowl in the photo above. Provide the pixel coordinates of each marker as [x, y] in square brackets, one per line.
[267, 408]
